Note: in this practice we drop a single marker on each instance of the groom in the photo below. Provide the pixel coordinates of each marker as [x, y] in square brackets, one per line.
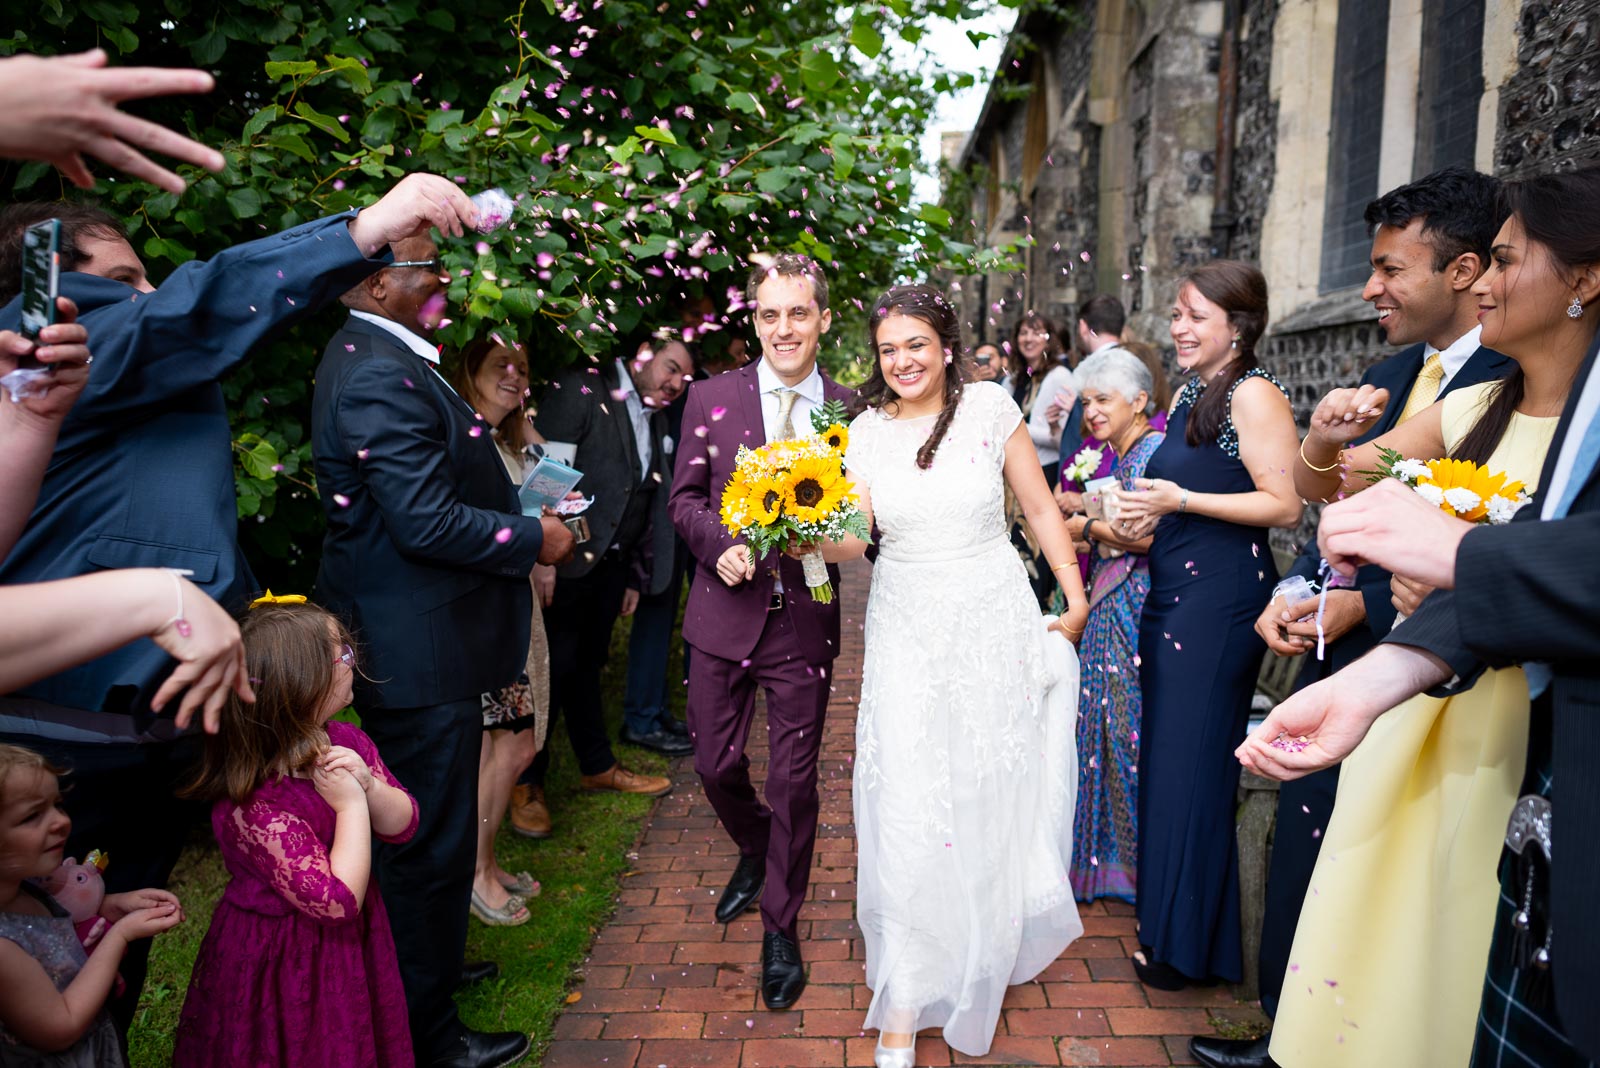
[753, 624]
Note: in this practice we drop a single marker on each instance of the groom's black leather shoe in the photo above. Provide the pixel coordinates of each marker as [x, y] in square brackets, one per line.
[1233, 1052]
[783, 976]
[743, 889]
[484, 1049]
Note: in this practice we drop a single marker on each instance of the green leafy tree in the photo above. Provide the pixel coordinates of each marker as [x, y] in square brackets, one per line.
[651, 147]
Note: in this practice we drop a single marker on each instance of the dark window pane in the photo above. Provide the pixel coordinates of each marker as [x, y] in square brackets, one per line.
[1360, 44]
[1451, 84]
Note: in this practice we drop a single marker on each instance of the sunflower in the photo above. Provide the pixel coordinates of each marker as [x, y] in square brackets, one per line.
[837, 437]
[765, 501]
[1456, 475]
[813, 488]
[735, 510]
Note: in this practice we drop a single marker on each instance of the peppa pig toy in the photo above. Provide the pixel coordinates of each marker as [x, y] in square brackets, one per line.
[81, 890]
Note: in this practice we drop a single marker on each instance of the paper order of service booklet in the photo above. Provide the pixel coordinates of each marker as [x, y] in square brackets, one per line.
[548, 483]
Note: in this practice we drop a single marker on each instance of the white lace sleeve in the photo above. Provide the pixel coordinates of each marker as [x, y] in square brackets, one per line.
[1000, 413]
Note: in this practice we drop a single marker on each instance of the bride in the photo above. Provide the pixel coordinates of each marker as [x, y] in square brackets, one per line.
[965, 771]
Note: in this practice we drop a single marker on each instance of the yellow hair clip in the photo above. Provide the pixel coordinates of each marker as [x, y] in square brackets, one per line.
[272, 598]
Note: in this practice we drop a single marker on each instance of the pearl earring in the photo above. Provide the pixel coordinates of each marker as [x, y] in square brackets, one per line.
[1575, 309]
[1235, 344]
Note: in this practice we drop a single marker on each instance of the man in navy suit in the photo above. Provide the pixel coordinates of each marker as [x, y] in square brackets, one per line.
[427, 558]
[142, 476]
[1430, 243]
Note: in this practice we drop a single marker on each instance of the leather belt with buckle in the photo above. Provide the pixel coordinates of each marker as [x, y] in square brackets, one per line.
[776, 602]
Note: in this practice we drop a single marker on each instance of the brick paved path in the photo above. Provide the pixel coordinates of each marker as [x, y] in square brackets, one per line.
[666, 985]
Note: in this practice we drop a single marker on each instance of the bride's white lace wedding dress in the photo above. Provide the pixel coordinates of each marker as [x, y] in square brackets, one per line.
[966, 765]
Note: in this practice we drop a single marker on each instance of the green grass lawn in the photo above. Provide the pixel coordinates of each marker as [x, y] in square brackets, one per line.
[580, 868]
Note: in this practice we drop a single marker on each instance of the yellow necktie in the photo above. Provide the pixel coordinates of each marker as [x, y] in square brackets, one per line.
[786, 399]
[1426, 389]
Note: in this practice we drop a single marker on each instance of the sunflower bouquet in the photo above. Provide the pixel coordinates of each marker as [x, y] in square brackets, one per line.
[1460, 487]
[796, 490]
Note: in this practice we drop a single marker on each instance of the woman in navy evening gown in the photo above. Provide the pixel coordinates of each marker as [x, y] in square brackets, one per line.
[1214, 487]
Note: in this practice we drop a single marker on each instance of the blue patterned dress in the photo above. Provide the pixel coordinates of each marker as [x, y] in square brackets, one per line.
[1105, 842]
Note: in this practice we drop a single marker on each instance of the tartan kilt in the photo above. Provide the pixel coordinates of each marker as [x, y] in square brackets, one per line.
[1514, 1030]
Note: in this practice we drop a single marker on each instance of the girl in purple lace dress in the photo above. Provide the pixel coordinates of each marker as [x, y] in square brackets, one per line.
[52, 1000]
[299, 966]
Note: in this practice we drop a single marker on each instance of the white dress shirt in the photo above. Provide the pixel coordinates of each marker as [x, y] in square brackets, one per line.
[409, 338]
[809, 392]
[1454, 358]
[639, 415]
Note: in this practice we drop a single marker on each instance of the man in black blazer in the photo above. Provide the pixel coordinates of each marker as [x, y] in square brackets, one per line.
[142, 476]
[1523, 593]
[611, 418]
[1430, 243]
[427, 558]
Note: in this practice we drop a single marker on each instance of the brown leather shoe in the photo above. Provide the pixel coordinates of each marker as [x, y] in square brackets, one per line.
[622, 780]
[530, 816]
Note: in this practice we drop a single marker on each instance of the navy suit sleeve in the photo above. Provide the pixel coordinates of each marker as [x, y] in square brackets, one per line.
[1518, 597]
[206, 317]
[695, 516]
[1524, 591]
[406, 471]
[1373, 582]
[1435, 628]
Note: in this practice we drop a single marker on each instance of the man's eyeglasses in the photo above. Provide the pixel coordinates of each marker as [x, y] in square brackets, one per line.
[347, 656]
[433, 265]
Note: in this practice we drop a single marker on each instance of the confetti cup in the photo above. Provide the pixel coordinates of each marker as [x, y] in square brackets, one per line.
[494, 209]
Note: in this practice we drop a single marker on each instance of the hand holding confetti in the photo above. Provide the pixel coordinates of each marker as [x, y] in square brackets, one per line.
[417, 203]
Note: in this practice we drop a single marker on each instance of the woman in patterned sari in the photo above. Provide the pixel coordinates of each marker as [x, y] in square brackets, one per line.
[1117, 390]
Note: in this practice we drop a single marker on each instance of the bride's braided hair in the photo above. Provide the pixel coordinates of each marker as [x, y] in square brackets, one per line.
[929, 305]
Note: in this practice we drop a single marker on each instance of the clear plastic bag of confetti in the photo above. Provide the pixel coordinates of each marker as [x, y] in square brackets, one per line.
[494, 209]
[26, 382]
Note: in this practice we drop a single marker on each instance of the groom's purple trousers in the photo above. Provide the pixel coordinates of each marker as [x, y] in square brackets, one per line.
[721, 708]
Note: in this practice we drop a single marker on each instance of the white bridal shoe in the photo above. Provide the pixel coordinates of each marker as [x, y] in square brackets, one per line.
[895, 1056]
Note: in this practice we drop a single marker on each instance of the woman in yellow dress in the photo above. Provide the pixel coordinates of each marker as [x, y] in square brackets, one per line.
[1388, 959]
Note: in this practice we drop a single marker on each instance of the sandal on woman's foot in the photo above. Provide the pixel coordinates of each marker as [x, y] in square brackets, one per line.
[523, 884]
[1156, 974]
[513, 914]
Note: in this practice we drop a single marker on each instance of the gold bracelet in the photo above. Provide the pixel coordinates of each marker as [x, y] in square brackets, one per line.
[1337, 459]
[1061, 567]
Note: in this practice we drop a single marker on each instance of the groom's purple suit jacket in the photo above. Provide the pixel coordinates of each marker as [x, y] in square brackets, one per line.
[721, 414]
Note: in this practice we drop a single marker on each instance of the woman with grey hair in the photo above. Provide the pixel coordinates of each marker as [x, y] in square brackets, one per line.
[1117, 389]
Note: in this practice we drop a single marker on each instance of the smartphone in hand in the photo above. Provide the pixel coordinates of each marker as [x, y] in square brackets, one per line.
[41, 281]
